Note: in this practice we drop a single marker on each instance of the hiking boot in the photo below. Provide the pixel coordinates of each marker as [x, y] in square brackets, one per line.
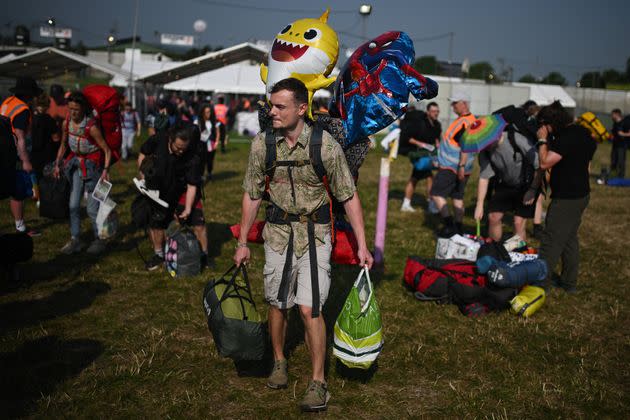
[73, 246]
[96, 247]
[279, 377]
[154, 263]
[316, 397]
[407, 208]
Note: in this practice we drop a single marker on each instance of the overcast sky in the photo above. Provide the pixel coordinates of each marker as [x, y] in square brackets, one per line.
[537, 36]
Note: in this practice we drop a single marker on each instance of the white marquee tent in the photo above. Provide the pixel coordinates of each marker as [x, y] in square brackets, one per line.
[546, 94]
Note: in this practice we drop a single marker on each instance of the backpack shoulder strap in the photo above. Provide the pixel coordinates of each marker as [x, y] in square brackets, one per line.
[270, 153]
[515, 148]
[315, 151]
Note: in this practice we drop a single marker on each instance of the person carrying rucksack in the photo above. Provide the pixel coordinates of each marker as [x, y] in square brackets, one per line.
[511, 165]
[87, 163]
[289, 160]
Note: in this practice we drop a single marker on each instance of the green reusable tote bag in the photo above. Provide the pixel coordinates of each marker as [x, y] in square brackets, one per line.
[358, 338]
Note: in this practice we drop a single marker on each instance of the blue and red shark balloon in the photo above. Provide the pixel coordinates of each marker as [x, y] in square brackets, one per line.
[373, 88]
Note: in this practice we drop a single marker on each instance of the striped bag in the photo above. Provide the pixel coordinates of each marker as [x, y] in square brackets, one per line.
[358, 330]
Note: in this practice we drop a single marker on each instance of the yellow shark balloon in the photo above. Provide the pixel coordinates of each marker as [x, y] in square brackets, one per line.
[306, 49]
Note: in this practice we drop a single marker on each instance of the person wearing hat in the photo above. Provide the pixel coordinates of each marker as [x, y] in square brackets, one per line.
[16, 108]
[454, 166]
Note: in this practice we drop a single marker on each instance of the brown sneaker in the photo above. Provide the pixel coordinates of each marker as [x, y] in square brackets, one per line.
[279, 377]
[316, 397]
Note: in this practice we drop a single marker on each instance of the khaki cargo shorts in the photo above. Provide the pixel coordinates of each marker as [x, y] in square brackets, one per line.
[300, 291]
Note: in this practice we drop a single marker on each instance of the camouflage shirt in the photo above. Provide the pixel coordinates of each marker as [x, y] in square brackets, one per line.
[310, 193]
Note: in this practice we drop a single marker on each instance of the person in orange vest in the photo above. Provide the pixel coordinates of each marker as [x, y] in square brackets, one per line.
[454, 167]
[221, 112]
[16, 108]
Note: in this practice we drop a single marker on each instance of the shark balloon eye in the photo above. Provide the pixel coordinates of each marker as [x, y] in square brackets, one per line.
[313, 34]
[286, 29]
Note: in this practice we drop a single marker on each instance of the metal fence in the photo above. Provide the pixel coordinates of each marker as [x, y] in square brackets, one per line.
[600, 101]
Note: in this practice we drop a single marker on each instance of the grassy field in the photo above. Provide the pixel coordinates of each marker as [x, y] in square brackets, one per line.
[101, 337]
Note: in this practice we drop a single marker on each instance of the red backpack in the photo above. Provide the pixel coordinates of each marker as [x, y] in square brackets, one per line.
[105, 101]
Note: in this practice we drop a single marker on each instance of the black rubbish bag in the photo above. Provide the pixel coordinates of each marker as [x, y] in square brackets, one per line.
[54, 197]
[236, 326]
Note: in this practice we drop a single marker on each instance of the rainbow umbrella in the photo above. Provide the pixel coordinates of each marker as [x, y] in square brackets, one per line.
[481, 134]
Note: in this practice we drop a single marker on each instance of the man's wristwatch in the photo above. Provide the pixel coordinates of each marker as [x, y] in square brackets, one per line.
[540, 142]
[241, 245]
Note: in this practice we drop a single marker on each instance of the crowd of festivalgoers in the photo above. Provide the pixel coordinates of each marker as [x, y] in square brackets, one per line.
[186, 133]
[56, 134]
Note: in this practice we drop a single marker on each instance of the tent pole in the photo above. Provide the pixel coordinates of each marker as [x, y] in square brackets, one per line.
[133, 54]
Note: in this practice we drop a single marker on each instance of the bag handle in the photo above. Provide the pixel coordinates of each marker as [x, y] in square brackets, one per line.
[365, 271]
[233, 285]
[230, 282]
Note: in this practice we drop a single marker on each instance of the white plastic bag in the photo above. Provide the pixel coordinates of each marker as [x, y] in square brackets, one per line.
[107, 219]
[457, 246]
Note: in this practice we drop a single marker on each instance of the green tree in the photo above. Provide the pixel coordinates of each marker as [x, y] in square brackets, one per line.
[427, 64]
[527, 78]
[613, 76]
[554, 78]
[592, 79]
[482, 70]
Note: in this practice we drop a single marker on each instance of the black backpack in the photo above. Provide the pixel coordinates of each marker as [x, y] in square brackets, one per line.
[8, 158]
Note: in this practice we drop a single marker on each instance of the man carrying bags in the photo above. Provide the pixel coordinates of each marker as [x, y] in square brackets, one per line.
[297, 233]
